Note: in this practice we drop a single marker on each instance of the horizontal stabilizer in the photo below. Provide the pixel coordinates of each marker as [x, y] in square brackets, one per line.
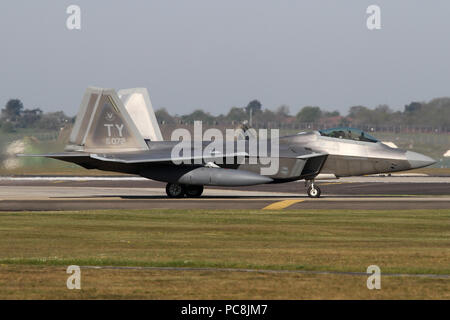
[56, 155]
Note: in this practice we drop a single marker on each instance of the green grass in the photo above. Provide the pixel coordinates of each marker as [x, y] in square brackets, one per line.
[36, 247]
[414, 241]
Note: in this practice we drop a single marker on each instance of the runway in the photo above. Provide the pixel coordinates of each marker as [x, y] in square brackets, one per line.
[88, 193]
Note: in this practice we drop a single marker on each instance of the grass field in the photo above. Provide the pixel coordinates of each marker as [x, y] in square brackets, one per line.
[36, 247]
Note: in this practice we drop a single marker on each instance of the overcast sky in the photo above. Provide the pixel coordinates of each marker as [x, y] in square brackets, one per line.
[215, 54]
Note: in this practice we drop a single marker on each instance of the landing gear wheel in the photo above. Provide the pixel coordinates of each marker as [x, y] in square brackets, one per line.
[175, 190]
[193, 191]
[313, 191]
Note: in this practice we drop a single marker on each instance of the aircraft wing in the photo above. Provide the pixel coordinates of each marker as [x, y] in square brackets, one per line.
[156, 156]
[86, 159]
[131, 158]
[159, 157]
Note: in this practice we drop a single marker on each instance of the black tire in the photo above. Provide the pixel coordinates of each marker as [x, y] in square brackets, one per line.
[193, 191]
[175, 190]
[313, 192]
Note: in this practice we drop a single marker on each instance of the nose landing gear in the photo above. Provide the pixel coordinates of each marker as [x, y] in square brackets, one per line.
[313, 190]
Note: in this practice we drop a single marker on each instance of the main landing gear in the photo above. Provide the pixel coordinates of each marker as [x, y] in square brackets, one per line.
[313, 190]
[175, 190]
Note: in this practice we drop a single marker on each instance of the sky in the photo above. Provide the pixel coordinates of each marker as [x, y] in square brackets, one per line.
[213, 54]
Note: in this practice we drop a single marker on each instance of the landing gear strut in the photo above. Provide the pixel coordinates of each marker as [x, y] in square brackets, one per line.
[313, 190]
[175, 190]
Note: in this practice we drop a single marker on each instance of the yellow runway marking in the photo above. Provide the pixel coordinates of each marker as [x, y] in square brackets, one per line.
[281, 204]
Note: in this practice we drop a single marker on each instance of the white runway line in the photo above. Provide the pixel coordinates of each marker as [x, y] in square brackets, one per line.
[65, 178]
[54, 192]
[386, 179]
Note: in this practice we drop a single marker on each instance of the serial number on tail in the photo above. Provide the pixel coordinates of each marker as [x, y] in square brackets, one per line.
[115, 141]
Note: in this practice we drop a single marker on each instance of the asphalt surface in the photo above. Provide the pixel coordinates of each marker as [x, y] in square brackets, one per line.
[344, 186]
[63, 193]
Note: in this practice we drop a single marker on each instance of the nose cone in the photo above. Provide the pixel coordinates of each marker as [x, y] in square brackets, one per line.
[417, 160]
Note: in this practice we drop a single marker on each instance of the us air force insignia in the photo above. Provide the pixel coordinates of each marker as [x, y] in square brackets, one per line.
[109, 116]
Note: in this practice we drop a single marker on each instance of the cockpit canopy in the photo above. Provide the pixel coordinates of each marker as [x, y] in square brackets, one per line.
[348, 133]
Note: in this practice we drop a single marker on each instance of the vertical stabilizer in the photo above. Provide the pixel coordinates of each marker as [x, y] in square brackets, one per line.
[104, 125]
[137, 103]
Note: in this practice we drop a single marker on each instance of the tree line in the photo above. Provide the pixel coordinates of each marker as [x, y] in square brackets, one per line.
[435, 113]
[14, 116]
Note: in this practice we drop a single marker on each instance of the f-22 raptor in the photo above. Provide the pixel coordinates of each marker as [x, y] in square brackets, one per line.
[119, 132]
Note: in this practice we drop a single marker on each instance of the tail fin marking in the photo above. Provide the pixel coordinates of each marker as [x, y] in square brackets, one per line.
[103, 124]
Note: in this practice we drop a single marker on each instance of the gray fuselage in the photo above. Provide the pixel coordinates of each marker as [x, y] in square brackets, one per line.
[300, 156]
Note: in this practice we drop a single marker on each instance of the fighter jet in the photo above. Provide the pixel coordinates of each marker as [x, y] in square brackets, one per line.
[119, 132]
